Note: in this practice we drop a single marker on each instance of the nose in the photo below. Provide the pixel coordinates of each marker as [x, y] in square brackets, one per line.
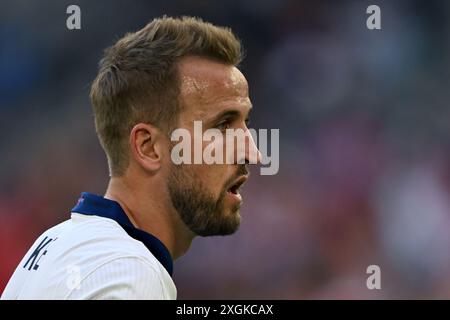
[252, 154]
[245, 149]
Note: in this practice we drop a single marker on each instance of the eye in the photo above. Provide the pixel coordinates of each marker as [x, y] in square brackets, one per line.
[222, 126]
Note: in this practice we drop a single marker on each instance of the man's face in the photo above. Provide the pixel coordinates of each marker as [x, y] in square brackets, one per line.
[207, 196]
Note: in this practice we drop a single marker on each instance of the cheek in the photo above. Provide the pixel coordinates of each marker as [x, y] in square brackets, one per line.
[212, 176]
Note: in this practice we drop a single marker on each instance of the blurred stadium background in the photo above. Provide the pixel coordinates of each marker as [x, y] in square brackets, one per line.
[364, 123]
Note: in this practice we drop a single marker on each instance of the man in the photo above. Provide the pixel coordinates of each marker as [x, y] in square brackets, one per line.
[121, 246]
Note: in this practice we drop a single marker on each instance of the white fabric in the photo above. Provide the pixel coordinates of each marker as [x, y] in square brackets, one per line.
[89, 257]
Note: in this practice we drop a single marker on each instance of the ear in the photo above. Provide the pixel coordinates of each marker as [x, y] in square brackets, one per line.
[146, 142]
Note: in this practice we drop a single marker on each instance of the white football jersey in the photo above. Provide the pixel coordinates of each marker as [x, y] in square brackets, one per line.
[96, 254]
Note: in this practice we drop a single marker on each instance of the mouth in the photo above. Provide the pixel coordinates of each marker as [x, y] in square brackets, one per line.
[234, 190]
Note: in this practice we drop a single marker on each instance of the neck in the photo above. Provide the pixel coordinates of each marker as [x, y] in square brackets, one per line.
[150, 210]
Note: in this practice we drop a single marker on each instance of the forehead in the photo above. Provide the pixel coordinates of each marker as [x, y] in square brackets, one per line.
[208, 86]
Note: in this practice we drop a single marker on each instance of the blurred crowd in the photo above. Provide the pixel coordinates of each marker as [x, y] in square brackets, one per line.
[364, 121]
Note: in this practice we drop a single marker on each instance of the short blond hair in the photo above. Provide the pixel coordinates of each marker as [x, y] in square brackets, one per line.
[138, 80]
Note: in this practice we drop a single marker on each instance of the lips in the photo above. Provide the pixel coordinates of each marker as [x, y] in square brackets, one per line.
[234, 189]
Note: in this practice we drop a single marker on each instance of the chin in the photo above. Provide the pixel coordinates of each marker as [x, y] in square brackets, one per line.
[228, 225]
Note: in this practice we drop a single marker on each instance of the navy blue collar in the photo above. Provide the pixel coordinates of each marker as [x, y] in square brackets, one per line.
[91, 204]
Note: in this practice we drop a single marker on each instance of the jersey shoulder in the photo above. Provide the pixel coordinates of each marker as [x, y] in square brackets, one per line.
[124, 268]
[89, 257]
